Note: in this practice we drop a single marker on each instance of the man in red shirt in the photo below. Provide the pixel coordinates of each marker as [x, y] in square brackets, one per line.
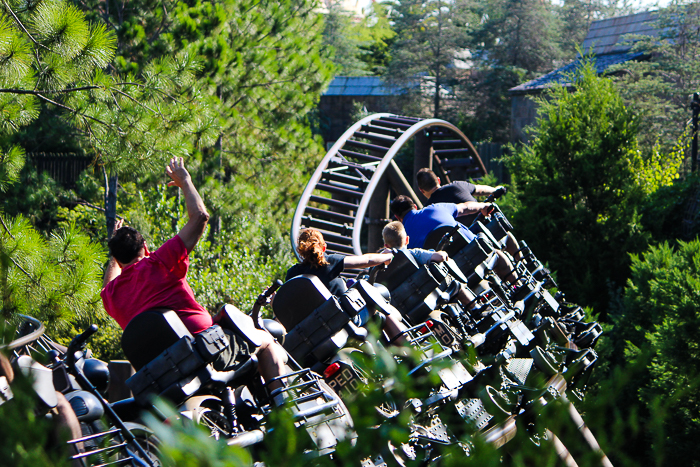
[136, 280]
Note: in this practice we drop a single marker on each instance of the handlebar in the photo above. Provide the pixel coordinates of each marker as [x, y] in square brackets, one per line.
[447, 237]
[262, 300]
[79, 341]
[498, 192]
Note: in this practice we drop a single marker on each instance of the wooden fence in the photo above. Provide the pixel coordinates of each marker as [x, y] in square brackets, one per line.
[65, 168]
[490, 153]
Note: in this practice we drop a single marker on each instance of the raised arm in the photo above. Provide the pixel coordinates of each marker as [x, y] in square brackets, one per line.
[113, 268]
[196, 211]
[367, 260]
[483, 190]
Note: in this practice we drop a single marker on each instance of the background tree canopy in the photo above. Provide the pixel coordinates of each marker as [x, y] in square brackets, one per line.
[232, 85]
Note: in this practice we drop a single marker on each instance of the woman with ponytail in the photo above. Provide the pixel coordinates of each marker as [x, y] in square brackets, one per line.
[315, 261]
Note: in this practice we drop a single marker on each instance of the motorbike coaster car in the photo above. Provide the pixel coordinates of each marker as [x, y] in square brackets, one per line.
[234, 404]
[320, 337]
[84, 382]
[416, 290]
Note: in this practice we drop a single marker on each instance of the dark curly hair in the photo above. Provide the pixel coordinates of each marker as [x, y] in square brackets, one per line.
[126, 244]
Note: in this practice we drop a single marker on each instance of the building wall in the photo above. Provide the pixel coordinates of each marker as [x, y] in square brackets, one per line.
[523, 113]
[336, 112]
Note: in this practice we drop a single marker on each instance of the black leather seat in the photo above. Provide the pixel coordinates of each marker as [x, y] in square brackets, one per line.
[415, 290]
[317, 324]
[298, 298]
[170, 361]
[148, 334]
[433, 239]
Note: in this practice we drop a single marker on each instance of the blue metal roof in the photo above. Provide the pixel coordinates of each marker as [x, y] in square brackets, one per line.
[561, 75]
[359, 86]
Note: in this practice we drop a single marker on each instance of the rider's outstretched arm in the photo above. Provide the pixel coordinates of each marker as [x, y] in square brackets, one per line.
[472, 207]
[367, 260]
[196, 211]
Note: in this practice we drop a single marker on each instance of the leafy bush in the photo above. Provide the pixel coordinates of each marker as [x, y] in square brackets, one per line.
[578, 189]
[652, 378]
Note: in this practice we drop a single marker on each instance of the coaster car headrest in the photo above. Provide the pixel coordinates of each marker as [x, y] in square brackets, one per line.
[297, 298]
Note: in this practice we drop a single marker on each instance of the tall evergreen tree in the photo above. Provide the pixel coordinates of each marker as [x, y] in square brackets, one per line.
[263, 71]
[430, 36]
[579, 187]
[379, 38]
[341, 36]
[513, 41]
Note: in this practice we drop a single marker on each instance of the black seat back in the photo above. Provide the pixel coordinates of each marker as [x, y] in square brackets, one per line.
[414, 288]
[498, 224]
[433, 239]
[149, 333]
[298, 298]
[402, 267]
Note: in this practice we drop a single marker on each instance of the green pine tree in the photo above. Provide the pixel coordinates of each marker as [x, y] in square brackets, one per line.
[342, 37]
[579, 190]
[430, 37]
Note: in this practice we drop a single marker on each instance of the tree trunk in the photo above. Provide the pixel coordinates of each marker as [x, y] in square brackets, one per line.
[437, 95]
[215, 221]
[111, 182]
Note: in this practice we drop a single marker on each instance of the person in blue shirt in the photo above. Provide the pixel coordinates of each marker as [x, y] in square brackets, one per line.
[420, 222]
[461, 191]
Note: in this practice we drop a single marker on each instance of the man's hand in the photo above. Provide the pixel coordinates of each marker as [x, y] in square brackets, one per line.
[177, 171]
[439, 257]
[487, 209]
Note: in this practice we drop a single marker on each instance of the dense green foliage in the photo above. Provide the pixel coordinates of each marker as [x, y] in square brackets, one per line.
[653, 356]
[578, 188]
[231, 84]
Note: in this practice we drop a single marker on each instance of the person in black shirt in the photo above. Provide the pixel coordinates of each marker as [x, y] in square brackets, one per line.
[312, 249]
[459, 192]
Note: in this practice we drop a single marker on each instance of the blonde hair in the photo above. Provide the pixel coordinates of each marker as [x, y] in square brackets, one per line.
[311, 247]
[394, 234]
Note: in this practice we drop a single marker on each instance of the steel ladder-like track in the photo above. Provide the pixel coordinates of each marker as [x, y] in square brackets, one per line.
[336, 199]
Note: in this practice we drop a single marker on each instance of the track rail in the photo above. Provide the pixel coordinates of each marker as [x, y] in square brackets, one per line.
[337, 197]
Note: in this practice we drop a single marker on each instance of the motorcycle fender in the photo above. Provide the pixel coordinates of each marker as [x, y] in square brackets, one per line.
[137, 428]
[190, 408]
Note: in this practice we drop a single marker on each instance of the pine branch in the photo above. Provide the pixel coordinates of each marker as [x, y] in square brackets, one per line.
[48, 91]
[65, 107]
[82, 202]
[15, 261]
[19, 23]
